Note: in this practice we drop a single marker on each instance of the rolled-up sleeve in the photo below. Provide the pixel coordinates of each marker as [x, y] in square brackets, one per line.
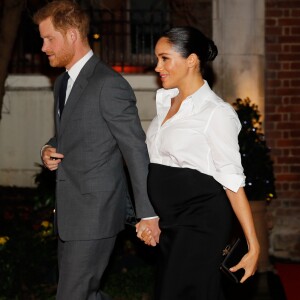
[222, 132]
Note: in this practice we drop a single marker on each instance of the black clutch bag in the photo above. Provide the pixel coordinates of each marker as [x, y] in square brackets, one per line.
[233, 253]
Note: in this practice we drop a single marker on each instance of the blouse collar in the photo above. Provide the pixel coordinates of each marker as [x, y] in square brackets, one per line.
[164, 96]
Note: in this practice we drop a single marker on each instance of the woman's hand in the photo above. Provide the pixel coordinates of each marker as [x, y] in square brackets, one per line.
[148, 231]
[242, 210]
[147, 237]
[248, 263]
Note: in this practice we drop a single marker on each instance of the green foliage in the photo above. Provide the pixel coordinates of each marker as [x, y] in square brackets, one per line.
[45, 181]
[27, 250]
[255, 154]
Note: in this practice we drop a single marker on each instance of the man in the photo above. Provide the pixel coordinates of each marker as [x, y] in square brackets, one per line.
[96, 128]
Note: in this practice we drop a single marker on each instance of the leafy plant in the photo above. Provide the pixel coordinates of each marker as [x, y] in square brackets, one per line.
[27, 252]
[255, 154]
[45, 182]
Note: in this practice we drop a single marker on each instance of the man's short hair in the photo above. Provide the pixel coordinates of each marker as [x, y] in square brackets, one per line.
[64, 14]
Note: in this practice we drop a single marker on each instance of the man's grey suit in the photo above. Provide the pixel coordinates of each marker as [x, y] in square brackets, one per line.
[98, 128]
[99, 125]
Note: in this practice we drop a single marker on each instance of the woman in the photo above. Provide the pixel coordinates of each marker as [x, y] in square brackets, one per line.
[195, 179]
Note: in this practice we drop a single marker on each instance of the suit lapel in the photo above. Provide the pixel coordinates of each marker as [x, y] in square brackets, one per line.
[79, 85]
[56, 116]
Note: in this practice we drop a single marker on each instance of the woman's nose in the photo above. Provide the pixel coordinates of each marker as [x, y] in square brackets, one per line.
[158, 67]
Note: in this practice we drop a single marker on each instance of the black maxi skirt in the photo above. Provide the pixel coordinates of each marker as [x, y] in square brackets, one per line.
[196, 220]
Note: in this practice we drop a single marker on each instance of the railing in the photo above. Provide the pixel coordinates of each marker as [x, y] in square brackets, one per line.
[124, 39]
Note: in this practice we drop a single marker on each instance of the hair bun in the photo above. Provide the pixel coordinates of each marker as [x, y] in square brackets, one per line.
[212, 51]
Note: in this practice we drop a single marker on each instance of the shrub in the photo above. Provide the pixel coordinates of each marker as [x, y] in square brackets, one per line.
[255, 154]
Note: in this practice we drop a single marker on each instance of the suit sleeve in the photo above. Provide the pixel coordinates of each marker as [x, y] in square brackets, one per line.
[53, 141]
[118, 106]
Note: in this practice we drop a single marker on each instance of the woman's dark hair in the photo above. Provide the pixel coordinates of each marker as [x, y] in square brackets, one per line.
[187, 40]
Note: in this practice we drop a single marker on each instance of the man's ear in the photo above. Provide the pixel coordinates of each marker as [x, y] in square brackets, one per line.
[73, 34]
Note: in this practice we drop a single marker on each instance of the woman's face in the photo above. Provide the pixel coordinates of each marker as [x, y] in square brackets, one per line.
[171, 66]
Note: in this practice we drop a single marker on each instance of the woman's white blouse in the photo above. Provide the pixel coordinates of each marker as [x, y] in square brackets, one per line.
[202, 135]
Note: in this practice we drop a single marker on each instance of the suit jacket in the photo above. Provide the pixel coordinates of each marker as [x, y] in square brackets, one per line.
[99, 127]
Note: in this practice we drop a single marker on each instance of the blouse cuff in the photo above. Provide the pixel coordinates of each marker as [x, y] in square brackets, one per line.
[230, 181]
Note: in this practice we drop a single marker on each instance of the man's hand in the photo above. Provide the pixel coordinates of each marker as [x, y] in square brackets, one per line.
[51, 158]
[148, 231]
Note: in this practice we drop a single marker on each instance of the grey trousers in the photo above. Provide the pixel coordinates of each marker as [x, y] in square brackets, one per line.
[81, 265]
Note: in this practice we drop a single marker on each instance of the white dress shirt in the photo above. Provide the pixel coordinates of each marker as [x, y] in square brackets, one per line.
[75, 70]
[202, 135]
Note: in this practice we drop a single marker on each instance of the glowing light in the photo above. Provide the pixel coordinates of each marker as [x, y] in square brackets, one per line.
[96, 36]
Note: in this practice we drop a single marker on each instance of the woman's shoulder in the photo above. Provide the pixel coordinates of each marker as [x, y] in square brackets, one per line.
[212, 102]
[218, 103]
[214, 107]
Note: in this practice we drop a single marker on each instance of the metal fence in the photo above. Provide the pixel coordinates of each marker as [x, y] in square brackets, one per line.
[124, 39]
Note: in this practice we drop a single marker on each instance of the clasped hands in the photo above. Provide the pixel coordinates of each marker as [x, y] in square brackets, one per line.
[148, 231]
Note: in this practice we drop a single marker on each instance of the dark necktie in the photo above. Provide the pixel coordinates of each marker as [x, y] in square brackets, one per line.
[62, 92]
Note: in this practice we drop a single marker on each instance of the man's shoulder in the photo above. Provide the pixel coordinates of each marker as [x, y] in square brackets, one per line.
[107, 74]
[102, 67]
[97, 71]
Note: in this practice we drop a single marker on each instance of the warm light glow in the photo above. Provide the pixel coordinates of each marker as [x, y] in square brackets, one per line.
[129, 69]
[96, 36]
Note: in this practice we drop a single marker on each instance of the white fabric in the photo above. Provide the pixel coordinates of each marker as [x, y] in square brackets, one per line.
[203, 135]
[75, 70]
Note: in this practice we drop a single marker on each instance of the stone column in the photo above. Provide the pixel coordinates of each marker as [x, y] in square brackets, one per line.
[238, 31]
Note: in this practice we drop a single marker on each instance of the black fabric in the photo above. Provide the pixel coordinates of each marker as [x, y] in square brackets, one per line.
[196, 220]
[62, 92]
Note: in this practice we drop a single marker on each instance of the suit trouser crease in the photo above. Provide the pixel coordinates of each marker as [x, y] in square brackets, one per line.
[81, 266]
